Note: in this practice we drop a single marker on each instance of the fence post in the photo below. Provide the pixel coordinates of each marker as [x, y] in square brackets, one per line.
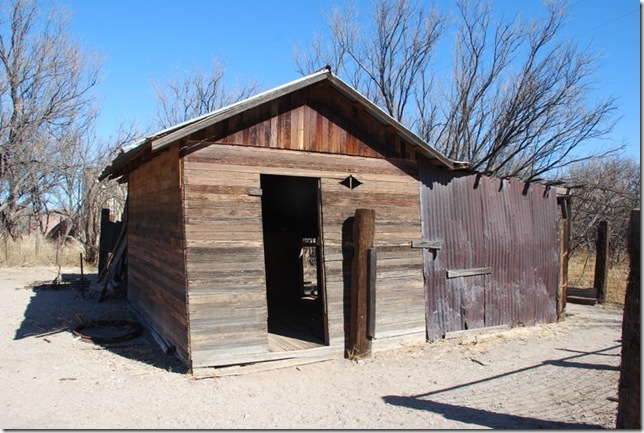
[628, 409]
[601, 261]
[103, 247]
[363, 236]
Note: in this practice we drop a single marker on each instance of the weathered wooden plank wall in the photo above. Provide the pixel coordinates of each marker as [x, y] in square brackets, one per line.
[224, 260]
[314, 119]
[224, 232]
[485, 222]
[156, 276]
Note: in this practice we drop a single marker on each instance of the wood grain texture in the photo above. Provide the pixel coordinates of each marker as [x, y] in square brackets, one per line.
[314, 119]
[364, 228]
[224, 264]
[224, 244]
[156, 274]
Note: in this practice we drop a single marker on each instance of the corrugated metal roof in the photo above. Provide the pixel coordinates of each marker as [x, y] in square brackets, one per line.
[163, 138]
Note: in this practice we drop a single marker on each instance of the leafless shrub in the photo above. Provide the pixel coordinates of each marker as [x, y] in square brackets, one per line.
[606, 190]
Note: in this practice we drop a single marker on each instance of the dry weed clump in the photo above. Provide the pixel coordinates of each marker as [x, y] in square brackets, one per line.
[28, 252]
[581, 273]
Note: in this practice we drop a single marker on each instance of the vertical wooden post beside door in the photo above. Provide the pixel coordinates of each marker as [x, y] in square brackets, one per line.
[363, 237]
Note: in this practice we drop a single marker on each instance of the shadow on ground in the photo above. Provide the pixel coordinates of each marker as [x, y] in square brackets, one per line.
[61, 308]
[487, 418]
[482, 417]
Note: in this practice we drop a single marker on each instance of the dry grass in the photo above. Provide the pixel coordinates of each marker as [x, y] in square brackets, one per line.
[24, 253]
[581, 273]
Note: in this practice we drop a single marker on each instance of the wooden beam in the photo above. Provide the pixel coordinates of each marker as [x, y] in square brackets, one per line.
[629, 414]
[364, 228]
[455, 273]
[372, 268]
[432, 245]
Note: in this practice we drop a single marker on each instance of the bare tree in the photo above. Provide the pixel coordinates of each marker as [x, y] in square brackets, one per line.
[197, 93]
[519, 104]
[606, 190]
[519, 101]
[385, 60]
[78, 195]
[45, 83]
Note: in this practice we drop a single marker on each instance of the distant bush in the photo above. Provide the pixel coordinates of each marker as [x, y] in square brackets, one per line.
[581, 272]
[30, 251]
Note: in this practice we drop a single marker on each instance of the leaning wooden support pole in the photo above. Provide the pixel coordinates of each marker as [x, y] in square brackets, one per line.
[364, 229]
[601, 261]
[630, 382]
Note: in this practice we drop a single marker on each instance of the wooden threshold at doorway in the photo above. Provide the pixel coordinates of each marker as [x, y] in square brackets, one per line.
[282, 343]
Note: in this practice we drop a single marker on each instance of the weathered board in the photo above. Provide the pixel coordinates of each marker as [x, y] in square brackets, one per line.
[225, 256]
[157, 288]
[224, 263]
[313, 119]
[313, 132]
[493, 225]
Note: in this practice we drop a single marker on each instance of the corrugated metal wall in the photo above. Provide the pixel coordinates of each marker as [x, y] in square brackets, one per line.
[488, 223]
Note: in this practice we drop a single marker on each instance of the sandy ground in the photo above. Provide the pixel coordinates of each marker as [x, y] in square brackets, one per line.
[562, 375]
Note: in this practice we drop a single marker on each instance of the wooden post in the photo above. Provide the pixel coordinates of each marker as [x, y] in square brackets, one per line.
[371, 295]
[82, 280]
[103, 247]
[601, 261]
[6, 246]
[629, 406]
[564, 249]
[363, 236]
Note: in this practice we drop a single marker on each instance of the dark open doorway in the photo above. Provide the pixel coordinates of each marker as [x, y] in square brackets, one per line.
[293, 262]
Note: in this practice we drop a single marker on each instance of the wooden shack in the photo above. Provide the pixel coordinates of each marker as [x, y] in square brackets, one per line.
[239, 231]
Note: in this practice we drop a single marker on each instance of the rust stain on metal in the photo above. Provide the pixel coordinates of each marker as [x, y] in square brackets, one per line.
[488, 223]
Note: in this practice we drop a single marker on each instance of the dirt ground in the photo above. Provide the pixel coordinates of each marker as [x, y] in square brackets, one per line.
[561, 375]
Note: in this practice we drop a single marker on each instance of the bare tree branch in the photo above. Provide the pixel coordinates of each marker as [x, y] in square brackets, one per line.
[518, 104]
[44, 99]
[197, 93]
[608, 189]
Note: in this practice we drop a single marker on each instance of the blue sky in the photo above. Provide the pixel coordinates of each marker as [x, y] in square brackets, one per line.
[145, 41]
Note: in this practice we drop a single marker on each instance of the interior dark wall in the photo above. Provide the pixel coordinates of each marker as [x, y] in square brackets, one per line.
[282, 269]
[289, 208]
[289, 205]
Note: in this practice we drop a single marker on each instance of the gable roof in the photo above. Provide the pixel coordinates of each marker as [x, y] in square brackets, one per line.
[164, 138]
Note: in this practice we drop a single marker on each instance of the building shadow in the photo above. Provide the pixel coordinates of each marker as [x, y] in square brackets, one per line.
[61, 308]
[498, 420]
[482, 417]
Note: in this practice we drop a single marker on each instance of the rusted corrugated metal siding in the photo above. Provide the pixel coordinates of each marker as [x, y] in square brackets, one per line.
[488, 223]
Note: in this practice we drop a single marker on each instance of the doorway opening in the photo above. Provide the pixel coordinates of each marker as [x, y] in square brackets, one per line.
[293, 261]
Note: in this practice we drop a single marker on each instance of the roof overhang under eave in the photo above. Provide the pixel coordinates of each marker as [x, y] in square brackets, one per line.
[170, 135]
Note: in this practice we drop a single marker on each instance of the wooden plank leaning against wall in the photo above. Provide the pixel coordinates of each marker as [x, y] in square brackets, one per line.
[225, 254]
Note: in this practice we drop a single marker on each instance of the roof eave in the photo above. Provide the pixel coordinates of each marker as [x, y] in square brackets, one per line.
[170, 135]
[386, 119]
[125, 155]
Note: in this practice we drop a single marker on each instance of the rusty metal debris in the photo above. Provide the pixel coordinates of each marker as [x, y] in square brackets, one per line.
[108, 331]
